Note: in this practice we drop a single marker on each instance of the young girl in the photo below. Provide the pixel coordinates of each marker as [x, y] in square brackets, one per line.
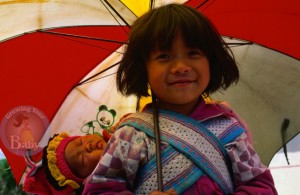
[67, 161]
[176, 52]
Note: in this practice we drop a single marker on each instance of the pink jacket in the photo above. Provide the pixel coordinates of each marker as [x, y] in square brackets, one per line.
[250, 176]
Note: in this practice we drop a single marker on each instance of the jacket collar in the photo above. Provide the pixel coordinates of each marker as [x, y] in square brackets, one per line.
[207, 110]
[204, 110]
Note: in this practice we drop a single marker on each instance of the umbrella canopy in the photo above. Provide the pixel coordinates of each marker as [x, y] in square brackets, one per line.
[271, 24]
[48, 47]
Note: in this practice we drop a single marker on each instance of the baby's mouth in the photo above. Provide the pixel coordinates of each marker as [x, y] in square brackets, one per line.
[99, 145]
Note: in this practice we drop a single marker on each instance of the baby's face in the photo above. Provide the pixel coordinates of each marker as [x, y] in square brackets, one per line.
[83, 153]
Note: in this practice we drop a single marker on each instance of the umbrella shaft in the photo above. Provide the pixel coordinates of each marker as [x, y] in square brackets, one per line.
[157, 144]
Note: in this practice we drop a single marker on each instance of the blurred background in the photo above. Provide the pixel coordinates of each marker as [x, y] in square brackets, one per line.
[7, 183]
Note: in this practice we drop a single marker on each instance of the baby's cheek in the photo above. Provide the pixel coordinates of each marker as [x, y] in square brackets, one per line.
[95, 157]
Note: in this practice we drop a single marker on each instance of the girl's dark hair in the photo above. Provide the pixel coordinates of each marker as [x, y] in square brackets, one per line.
[156, 30]
[49, 177]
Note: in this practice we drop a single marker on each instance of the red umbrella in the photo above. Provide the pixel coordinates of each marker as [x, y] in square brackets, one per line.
[40, 68]
[38, 52]
[36, 82]
[272, 24]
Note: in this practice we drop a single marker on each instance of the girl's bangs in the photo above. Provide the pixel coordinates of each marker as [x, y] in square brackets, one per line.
[163, 35]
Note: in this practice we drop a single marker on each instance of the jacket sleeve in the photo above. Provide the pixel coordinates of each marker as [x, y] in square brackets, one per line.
[117, 168]
[250, 176]
[261, 184]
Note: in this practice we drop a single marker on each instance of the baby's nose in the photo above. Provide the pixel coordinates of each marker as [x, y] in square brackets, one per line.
[88, 147]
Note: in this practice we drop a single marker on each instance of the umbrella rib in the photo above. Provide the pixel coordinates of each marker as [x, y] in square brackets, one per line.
[68, 38]
[116, 13]
[83, 37]
[201, 4]
[240, 44]
[88, 79]
[151, 4]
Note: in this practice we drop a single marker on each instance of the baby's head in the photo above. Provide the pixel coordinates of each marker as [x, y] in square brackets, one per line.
[68, 160]
[156, 30]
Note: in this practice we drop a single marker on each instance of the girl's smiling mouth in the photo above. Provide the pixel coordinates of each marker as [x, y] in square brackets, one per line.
[182, 82]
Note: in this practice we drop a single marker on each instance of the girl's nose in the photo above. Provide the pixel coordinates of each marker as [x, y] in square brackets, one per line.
[180, 67]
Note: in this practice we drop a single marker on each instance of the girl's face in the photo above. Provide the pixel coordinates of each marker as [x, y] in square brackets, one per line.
[83, 153]
[179, 76]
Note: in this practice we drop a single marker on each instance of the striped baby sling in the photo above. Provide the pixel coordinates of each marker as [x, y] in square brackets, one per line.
[192, 151]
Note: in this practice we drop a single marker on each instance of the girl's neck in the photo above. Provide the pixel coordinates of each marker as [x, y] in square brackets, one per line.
[185, 109]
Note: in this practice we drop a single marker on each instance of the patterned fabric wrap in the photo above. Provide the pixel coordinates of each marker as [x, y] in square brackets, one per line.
[193, 151]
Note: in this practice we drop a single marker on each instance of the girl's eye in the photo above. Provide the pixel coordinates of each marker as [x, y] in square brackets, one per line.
[163, 56]
[195, 53]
